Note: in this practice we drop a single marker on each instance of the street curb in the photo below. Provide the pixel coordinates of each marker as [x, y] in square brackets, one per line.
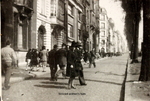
[122, 93]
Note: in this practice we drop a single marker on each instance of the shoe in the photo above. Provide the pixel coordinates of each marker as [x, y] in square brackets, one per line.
[55, 78]
[73, 87]
[52, 79]
[84, 84]
[6, 88]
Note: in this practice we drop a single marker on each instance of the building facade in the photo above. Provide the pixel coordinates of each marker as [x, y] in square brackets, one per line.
[37, 23]
[104, 30]
[17, 25]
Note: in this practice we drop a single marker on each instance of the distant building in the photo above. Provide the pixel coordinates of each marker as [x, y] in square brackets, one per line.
[104, 30]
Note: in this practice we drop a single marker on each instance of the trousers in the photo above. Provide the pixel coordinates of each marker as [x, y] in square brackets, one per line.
[53, 69]
[81, 77]
[7, 68]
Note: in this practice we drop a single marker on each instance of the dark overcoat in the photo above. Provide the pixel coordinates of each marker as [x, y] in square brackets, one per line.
[78, 63]
[62, 57]
[52, 57]
[72, 71]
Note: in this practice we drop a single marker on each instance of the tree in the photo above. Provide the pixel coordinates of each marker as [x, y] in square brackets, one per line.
[132, 19]
[145, 65]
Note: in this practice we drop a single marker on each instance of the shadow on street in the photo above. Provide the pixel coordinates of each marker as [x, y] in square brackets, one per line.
[56, 83]
[51, 86]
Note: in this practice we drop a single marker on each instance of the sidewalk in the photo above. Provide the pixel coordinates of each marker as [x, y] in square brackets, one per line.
[20, 74]
[134, 89]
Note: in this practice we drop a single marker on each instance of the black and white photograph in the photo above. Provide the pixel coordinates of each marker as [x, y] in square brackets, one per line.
[75, 50]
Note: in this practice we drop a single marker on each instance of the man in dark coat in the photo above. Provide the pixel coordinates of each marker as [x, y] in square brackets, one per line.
[71, 57]
[52, 62]
[85, 56]
[62, 60]
[78, 63]
[92, 58]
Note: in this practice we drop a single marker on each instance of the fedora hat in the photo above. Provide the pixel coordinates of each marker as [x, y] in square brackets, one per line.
[73, 44]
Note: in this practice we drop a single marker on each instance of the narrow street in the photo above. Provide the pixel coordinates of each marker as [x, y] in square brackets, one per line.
[104, 83]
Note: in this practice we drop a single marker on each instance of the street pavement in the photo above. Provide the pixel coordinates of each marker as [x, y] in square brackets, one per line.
[104, 83]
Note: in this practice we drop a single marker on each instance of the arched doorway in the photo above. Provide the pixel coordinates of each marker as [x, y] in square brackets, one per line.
[41, 34]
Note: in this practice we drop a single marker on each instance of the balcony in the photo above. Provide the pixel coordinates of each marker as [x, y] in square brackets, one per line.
[27, 3]
[24, 7]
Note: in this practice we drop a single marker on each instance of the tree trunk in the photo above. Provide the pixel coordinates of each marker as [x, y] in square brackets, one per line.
[145, 65]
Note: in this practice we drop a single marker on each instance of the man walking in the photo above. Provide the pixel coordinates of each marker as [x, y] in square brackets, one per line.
[92, 58]
[52, 62]
[78, 64]
[8, 59]
[62, 60]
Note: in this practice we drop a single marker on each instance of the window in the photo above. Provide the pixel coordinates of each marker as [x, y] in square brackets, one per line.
[21, 32]
[70, 30]
[53, 7]
[103, 33]
[103, 42]
[79, 16]
[70, 9]
[79, 34]
[102, 25]
[43, 4]
[102, 17]
[60, 13]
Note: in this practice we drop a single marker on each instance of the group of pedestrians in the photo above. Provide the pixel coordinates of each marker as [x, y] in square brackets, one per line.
[36, 59]
[90, 56]
[69, 63]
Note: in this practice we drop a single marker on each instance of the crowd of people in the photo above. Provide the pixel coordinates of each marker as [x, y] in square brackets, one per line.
[65, 61]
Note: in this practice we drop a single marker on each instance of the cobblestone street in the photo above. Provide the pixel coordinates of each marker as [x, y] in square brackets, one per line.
[103, 84]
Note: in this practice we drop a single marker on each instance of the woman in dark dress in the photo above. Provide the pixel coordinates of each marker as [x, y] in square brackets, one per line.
[34, 59]
[28, 58]
[71, 66]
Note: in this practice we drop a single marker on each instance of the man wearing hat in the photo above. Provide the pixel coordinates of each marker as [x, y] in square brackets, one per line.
[61, 60]
[78, 63]
[71, 57]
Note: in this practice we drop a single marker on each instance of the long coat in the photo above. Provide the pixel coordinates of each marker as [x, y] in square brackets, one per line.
[71, 68]
[52, 57]
[34, 60]
[44, 55]
[62, 57]
[78, 63]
